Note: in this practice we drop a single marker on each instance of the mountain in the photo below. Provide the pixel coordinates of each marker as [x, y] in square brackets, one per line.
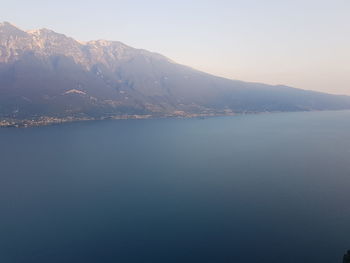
[47, 74]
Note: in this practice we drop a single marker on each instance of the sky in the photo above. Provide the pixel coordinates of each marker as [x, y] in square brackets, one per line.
[299, 43]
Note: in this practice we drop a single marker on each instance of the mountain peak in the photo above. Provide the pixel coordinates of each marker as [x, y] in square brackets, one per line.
[6, 24]
[106, 43]
[44, 32]
[100, 42]
[10, 29]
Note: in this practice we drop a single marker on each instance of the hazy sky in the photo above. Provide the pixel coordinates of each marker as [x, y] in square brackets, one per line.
[301, 43]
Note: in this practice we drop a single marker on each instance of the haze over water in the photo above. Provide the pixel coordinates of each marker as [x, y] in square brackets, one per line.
[250, 188]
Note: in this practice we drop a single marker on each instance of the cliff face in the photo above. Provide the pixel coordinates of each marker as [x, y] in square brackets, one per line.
[43, 73]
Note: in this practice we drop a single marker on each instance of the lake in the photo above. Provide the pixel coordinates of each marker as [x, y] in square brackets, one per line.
[249, 188]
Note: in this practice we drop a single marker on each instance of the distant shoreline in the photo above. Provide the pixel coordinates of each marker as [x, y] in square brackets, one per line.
[48, 121]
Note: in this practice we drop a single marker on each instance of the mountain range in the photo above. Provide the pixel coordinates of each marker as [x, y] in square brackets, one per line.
[47, 74]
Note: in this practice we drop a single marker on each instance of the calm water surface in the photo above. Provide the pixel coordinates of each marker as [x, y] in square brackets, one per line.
[254, 188]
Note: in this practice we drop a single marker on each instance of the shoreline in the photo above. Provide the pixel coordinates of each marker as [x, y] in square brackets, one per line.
[47, 120]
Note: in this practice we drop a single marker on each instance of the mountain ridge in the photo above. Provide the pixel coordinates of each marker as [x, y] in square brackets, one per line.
[44, 74]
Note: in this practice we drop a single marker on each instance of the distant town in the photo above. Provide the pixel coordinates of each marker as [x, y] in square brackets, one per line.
[47, 120]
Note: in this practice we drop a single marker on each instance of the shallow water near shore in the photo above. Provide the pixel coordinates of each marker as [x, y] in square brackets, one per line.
[248, 188]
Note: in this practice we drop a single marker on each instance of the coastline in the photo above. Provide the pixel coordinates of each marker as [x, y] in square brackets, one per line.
[47, 120]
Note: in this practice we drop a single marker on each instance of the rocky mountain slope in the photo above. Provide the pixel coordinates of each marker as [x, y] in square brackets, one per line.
[43, 73]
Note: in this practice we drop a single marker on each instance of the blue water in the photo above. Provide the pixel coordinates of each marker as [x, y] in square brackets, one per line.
[251, 188]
